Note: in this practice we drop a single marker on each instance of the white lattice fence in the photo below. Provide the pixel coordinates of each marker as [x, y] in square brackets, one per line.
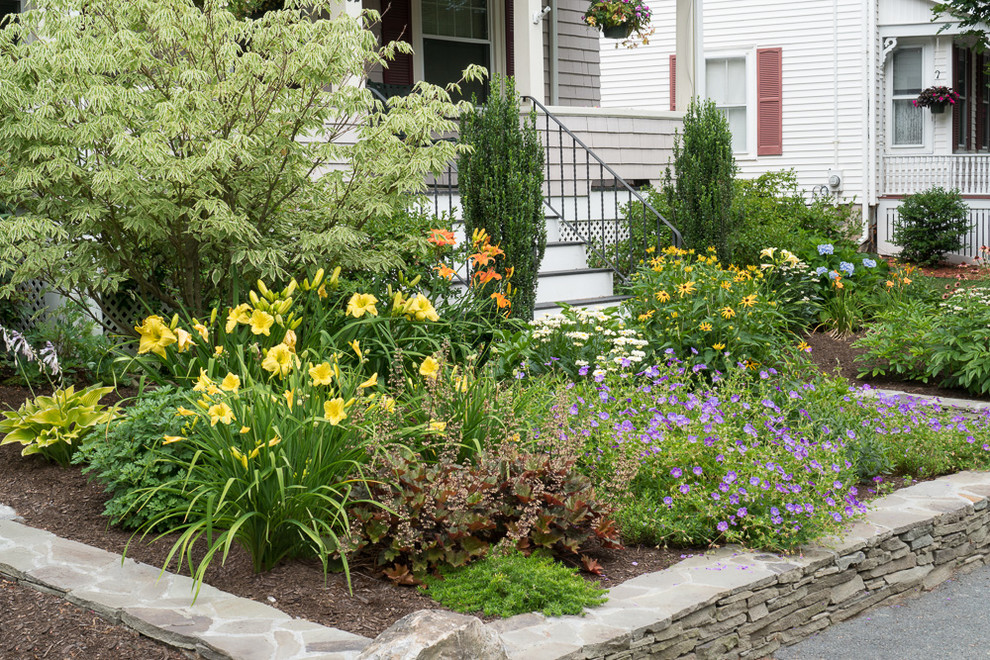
[978, 235]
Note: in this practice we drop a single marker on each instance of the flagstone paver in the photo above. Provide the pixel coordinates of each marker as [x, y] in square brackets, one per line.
[160, 605]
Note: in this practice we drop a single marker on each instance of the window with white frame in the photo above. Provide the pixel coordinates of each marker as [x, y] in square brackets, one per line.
[725, 84]
[907, 121]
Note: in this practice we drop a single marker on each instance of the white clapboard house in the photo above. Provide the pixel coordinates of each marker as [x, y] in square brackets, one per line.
[826, 87]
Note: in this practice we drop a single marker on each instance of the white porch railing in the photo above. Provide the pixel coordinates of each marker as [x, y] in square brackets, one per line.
[906, 175]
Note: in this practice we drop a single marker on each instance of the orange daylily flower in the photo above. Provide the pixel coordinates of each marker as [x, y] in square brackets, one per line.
[487, 276]
[441, 237]
[481, 258]
[501, 300]
[445, 271]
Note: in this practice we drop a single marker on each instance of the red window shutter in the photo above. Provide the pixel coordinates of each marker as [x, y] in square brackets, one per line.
[673, 82]
[769, 102]
[396, 26]
[510, 38]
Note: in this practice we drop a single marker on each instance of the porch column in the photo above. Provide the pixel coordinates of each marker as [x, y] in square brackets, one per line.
[528, 47]
[690, 51]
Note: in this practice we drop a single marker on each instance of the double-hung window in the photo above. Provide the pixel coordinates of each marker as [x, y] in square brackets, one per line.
[908, 120]
[725, 84]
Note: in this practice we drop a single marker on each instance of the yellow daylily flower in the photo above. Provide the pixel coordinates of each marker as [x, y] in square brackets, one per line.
[201, 329]
[430, 368]
[334, 411]
[356, 345]
[371, 382]
[322, 374]
[290, 340]
[279, 360]
[239, 314]
[245, 429]
[238, 456]
[155, 336]
[360, 303]
[231, 383]
[261, 322]
[437, 426]
[184, 412]
[290, 397]
[220, 412]
[218, 350]
[274, 441]
[184, 340]
[419, 308]
[387, 404]
[203, 383]
[169, 439]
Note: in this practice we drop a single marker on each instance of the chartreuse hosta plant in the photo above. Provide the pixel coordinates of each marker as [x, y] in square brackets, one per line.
[55, 426]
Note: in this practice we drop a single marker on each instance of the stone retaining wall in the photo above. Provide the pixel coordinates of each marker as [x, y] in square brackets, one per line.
[740, 604]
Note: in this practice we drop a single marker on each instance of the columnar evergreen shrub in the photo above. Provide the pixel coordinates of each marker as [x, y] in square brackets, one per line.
[932, 223]
[699, 190]
[501, 186]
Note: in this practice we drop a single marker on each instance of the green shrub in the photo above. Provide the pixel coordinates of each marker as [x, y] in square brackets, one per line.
[501, 186]
[510, 584]
[201, 174]
[85, 354]
[55, 426]
[699, 190]
[770, 211]
[931, 224]
[689, 303]
[948, 341]
[133, 457]
[793, 284]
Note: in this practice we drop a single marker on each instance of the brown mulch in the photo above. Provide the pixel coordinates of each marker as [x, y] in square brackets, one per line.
[36, 625]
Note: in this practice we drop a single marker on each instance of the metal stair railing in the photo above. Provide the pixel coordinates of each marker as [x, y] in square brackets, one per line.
[593, 203]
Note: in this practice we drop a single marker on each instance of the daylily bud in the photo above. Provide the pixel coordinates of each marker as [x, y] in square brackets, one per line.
[317, 278]
[295, 324]
[287, 291]
[262, 289]
[280, 320]
[335, 278]
[284, 307]
[254, 298]
[415, 280]
[175, 322]
[213, 316]
[305, 286]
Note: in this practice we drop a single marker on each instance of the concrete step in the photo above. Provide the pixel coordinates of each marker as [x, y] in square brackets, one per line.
[575, 284]
[541, 310]
[569, 255]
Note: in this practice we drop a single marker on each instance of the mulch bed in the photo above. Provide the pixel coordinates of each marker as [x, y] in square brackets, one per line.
[66, 503]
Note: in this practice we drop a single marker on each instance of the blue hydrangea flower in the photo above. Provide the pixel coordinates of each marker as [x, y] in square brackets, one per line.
[846, 268]
[821, 270]
[826, 248]
[869, 263]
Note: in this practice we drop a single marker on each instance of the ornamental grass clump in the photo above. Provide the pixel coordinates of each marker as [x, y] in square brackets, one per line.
[690, 303]
[734, 461]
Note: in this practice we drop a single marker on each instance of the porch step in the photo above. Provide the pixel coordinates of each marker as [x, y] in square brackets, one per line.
[564, 255]
[541, 310]
[579, 283]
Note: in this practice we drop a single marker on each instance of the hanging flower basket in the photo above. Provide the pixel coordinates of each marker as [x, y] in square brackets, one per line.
[936, 99]
[620, 19]
[616, 32]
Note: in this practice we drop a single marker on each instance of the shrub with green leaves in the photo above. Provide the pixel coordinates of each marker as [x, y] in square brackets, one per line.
[133, 456]
[204, 154]
[946, 341]
[688, 303]
[931, 224]
[699, 189]
[504, 585]
[770, 211]
[501, 186]
[55, 426]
